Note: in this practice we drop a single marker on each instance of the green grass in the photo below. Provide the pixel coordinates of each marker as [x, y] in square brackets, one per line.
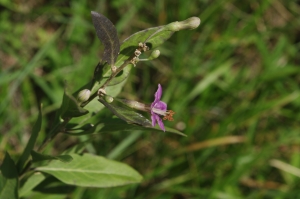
[233, 83]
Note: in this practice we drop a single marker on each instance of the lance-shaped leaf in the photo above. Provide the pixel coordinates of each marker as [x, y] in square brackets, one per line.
[126, 114]
[36, 157]
[92, 171]
[107, 34]
[116, 124]
[135, 121]
[31, 142]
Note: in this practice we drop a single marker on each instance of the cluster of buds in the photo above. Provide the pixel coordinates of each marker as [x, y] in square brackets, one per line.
[142, 48]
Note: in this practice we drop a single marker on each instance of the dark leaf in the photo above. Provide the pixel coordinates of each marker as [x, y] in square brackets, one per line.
[34, 134]
[107, 34]
[126, 114]
[52, 186]
[116, 124]
[8, 179]
[41, 157]
[135, 121]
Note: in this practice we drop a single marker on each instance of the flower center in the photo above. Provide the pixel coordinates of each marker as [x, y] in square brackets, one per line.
[168, 115]
[159, 111]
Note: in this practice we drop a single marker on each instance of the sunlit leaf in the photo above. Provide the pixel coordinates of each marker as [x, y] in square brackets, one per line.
[92, 171]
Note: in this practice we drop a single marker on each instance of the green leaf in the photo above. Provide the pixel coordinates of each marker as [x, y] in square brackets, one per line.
[107, 34]
[70, 107]
[131, 117]
[92, 171]
[31, 183]
[153, 37]
[34, 134]
[126, 114]
[41, 157]
[8, 179]
[116, 124]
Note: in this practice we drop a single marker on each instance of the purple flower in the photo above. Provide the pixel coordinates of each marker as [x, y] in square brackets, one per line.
[158, 109]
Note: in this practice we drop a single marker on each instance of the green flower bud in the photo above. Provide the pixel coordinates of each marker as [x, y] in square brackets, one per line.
[155, 54]
[84, 95]
[108, 99]
[190, 23]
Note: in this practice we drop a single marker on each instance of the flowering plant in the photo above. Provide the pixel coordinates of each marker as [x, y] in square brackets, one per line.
[71, 166]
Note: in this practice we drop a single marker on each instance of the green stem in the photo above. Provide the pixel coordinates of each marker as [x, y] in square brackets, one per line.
[57, 129]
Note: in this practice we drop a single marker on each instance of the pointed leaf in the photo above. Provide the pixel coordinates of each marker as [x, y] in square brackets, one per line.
[31, 183]
[34, 134]
[41, 157]
[131, 117]
[153, 38]
[107, 34]
[92, 171]
[8, 179]
[126, 114]
[116, 124]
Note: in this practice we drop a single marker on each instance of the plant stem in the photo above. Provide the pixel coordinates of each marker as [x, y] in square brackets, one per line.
[58, 128]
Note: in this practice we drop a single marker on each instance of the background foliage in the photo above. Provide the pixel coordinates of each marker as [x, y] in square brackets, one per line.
[233, 83]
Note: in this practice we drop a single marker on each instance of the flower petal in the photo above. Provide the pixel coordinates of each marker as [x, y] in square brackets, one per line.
[160, 123]
[153, 118]
[160, 105]
[158, 93]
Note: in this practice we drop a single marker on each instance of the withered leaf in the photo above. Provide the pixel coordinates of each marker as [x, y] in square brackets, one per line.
[107, 34]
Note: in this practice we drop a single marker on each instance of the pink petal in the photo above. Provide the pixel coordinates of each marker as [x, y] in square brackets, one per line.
[158, 93]
[153, 119]
[160, 123]
[160, 105]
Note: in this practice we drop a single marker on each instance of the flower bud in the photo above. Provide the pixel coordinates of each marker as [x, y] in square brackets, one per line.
[155, 54]
[84, 95]
[108, 99]
[190, 23]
